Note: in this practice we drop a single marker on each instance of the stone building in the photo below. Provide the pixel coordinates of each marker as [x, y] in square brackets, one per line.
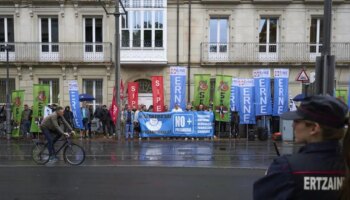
[233, 37]
[55, 41]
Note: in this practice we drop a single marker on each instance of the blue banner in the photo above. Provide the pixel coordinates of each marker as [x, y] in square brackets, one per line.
[75, 105]
[176, 124]
[349, 95]
[281, 98]
[263, 104]
[178, 87]
[234, 101]
[246, 110]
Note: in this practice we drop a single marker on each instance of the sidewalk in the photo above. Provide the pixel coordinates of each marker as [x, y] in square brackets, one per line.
[100, 151]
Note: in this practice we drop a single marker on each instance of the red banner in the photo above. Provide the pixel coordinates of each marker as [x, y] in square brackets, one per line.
[113, 110]
[133, 94]
[158, 93]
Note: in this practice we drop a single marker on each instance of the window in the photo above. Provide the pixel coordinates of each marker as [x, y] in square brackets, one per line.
[158, 3]
[158, 24]
[143, 3]
[93, 34]
[48, 34]
[268, 34]
[125, 31]
[218, 34]
[126, 3]
[136, 3]
[136, 29]
[147, 3]
[54, 89]
[147, 29]
[316, 35]
[94, 88]
[143, 27]
[145, 85]
[6, 33]
[12, 87]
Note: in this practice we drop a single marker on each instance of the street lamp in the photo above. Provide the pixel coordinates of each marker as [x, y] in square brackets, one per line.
[8, 106]
[117, 57]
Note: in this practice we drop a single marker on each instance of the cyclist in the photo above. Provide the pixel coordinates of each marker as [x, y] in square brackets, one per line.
[51, 126]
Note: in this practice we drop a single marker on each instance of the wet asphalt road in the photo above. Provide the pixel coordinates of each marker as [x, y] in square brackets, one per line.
[155, 169]
[144, 183]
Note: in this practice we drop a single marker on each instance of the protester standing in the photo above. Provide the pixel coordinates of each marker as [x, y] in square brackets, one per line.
[176, 108]
[201, 107]
[166, 109]
[26, 120]
[129, 118]
[150, 108]
[105, 120]
[112, 128]
[122, 119]
[91, 112]
[188, 107]
[68, 116]
[86, 118]
[136, 121]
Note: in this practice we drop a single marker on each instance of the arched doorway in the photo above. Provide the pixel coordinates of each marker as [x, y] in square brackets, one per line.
[145, 92]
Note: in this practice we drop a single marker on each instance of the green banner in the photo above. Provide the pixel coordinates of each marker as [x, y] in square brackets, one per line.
[17, 98]
[41, 96]
[342, 94]
[201, 89]
[222, 98]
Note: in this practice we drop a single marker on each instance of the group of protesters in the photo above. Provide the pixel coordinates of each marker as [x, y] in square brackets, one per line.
[99, 120]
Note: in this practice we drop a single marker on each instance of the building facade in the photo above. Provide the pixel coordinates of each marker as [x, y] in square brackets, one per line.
[55, 41]
[234, 37]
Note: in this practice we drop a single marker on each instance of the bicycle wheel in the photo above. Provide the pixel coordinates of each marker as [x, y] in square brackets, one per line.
[40, 153]
[74, 154]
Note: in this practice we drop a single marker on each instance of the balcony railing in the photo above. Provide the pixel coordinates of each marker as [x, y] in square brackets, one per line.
[57, 52]
[143, 51]
[278, 53]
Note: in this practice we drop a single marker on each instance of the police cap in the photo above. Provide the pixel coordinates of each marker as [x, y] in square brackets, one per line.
[323, 109]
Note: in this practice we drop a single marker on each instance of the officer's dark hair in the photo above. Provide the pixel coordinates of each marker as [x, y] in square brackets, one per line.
[330, 133]
[345, 194]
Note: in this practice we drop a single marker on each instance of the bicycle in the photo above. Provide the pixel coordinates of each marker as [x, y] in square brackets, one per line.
[73, 154]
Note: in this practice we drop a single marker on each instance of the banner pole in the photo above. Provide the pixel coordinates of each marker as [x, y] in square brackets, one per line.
[247, 131]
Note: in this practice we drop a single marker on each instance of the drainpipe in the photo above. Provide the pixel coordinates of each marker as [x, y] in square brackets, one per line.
[189, 53]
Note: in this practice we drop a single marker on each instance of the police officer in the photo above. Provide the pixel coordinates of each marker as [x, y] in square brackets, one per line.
[317, 171]
[345, 194]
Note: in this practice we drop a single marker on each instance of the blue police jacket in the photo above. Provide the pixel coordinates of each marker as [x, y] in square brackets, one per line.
[315, 172]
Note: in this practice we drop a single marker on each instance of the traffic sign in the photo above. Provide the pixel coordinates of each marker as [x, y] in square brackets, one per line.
[302, 76]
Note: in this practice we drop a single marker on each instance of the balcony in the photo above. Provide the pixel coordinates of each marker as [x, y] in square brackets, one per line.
[255, 53]
[143, 52]
[72, 52]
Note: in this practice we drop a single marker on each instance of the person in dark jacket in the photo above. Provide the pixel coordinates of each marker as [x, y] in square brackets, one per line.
[68, 116]
[91, 112]
[345, 193]
[317, 171]
[51, 128]
[26, 120]
[105, 120]
[86, 119]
